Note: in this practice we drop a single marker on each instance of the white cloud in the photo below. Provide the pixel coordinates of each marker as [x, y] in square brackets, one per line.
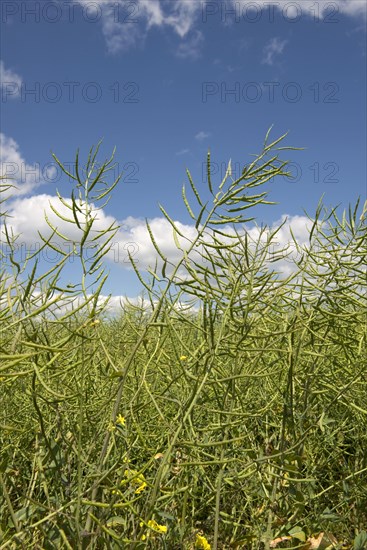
[27, 217]
[190, 48]
[10, 83]
[134, 237]
[200, 136]
[135, 229]
[18, 172]
[275, 46]
[183, 15]
[282, 254]
[126, 28]
[182, 152]
[126, 25]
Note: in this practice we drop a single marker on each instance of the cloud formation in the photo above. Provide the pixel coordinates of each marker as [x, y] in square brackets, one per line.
[274, 47]
[200, 136]
[10, 83]
[27, 218]
[17, 172]
[190, 47]
[182, 152]
[126, 25]
[125, 28]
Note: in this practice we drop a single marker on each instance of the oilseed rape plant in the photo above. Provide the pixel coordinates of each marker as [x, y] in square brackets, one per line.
[226, 411]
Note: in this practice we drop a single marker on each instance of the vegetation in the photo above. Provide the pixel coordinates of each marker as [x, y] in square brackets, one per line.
[227, 410]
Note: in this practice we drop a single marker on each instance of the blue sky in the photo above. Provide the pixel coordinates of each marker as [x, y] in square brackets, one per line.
[164, 81]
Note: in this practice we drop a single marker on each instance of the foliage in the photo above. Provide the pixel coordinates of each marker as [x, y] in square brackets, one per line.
[237, 421]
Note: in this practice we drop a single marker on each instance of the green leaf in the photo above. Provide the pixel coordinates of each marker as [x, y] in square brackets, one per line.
[360, 542]
[298, 534]
[116, 520]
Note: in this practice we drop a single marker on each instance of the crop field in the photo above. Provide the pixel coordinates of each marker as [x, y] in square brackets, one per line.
[226, 409]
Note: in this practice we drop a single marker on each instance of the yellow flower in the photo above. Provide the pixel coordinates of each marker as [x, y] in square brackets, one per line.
[120, 420]
[202, 543]
[138, 479]
[111, 427]
[141, 488]
[156, 527]
[183, 357]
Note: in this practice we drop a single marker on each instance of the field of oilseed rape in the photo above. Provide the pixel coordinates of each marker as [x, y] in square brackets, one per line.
[225, 409]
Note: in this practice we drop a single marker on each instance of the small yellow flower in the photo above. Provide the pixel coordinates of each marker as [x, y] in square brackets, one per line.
[111, 427]
[183, 357]
[138, 479]
[156, 527]
[202, 543]
[121, 420]
[141, 488]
